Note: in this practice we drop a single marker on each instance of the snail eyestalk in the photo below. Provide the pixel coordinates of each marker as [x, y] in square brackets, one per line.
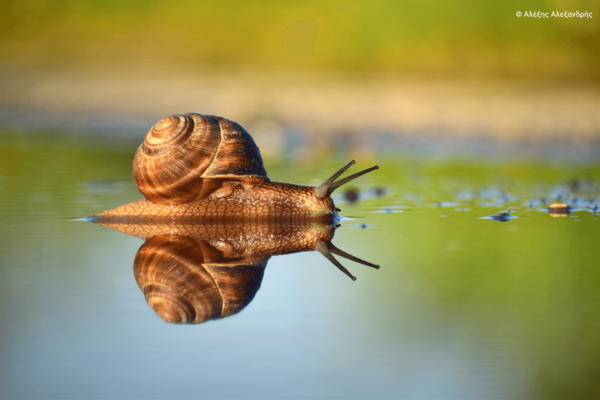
[350, 178]
[323, 190]
[330, 185]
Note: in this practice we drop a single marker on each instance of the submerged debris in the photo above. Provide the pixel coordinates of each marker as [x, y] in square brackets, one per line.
[504, 216]
[351, 195]
[559, 210]
[388, 211]
[362, 226]
[379, 191]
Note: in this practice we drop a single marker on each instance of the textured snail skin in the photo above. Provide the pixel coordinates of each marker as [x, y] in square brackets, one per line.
[247, 238]
[271, 200]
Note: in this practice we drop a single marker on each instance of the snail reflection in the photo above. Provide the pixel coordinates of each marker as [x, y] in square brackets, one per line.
[193, 273]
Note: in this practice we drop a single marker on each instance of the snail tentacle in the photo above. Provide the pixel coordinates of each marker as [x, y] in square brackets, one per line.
[328, 187]
[341, 182]
[323, 189]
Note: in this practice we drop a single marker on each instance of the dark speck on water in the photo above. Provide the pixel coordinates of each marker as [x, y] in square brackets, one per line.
[379, 191]
[351, 195]
[388, 211]
[446, 204]
[501, 217]
[362, 226]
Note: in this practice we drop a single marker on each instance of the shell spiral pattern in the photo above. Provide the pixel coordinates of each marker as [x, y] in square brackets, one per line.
[187, 157]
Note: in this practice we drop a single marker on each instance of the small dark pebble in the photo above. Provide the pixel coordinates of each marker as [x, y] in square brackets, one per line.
[559, 210]
[362, 226]
[502, 217]
[379, 191]
[351, 195]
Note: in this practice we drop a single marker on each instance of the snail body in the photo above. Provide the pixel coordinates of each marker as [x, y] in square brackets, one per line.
[197, 167]
[272, 200]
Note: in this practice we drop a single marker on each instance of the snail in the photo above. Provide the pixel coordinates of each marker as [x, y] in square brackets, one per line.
[200, 167]
[195, 272]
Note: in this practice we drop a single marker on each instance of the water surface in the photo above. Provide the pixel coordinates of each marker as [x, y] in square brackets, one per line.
[462, 307]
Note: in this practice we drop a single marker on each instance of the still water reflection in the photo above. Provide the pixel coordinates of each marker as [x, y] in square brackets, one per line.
[462, 308]
[195, 272]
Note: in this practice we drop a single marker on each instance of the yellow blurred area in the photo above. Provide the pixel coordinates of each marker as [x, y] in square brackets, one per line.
[439, 38]
[468, 69]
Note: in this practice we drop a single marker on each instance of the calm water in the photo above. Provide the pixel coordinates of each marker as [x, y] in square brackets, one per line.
[463, 307]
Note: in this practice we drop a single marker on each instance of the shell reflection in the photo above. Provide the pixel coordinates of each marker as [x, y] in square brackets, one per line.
[186, 280]
[193, 273]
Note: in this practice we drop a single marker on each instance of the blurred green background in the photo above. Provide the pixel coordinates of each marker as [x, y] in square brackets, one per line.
[461, 70]
[431, 38]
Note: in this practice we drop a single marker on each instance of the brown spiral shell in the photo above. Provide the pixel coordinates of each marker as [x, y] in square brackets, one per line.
[187, 157]
[187, 280]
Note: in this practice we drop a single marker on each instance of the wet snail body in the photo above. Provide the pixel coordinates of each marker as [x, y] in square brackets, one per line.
[198, 167]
